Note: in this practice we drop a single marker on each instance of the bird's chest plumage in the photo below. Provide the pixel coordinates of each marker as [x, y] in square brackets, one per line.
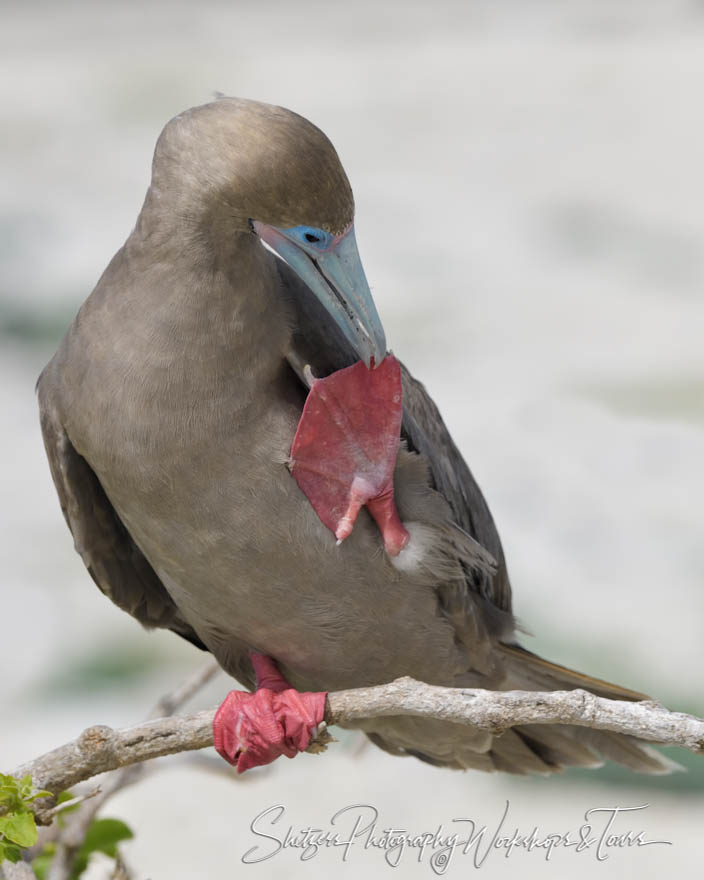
[238, 546]
[190, 443]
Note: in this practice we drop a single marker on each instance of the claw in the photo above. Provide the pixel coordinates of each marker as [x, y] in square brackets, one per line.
[250, 730]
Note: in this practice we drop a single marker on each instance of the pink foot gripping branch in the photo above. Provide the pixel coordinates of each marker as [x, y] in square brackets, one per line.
[254, 729]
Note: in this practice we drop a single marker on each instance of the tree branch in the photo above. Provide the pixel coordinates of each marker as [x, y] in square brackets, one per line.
[100, 748]
[70, 838]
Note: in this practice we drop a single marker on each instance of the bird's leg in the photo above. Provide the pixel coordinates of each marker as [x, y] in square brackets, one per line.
[344, 452]
[254, 729]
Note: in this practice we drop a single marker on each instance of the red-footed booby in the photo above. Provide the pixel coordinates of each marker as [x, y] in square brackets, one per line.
[204, 500]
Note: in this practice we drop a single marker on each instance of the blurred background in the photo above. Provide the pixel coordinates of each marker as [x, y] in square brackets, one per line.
[530, 212]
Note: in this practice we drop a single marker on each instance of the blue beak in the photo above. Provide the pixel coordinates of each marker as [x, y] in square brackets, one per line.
[331, 267]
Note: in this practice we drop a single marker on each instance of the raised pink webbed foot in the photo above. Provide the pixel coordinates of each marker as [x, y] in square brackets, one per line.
[250, 730]
[344, 452]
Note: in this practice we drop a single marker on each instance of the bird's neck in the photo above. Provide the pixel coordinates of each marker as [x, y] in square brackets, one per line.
[206, 315]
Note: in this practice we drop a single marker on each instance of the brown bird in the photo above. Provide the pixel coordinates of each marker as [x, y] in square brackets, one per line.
[169, 413]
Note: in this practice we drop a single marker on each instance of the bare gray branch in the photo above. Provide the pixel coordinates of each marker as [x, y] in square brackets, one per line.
[99, 749]
[71, 837]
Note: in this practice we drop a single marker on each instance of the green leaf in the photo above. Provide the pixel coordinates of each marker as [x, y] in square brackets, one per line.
[80, 863]
[41, 864]
[104, 835]
[9, 793]
[19, 828]
[10, 852]
[16, 794]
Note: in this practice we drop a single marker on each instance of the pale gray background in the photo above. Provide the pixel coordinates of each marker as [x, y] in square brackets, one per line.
[530, 212]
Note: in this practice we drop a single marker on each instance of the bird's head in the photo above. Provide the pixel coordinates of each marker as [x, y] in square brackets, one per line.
[236, 167]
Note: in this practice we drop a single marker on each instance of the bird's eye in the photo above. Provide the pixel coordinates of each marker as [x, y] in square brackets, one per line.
[318, 239]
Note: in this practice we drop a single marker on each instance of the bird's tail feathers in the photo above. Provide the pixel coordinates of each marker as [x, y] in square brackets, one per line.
[528, 671]
[559, 746]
